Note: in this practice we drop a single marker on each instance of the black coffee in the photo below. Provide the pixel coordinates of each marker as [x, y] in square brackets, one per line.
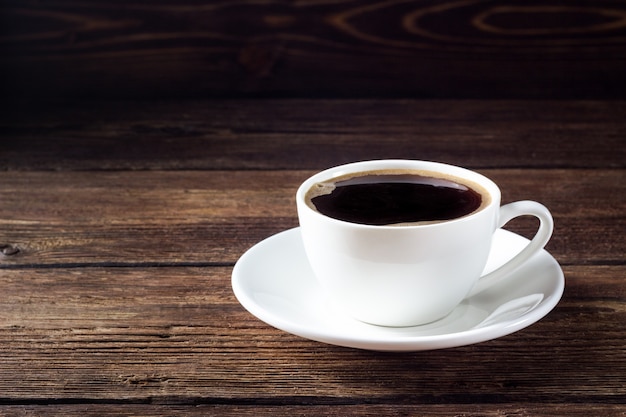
[389, 198]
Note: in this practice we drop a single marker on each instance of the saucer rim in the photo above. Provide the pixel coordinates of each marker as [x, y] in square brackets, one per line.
[398, 343]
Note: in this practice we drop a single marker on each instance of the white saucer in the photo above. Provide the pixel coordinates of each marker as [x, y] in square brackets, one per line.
[274, 282]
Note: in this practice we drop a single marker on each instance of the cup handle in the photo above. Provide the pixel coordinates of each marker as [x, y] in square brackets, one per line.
[544, 232]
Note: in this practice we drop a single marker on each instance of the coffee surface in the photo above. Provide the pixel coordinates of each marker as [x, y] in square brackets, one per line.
[394, 198]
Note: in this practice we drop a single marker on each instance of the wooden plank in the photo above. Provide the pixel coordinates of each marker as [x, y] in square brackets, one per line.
[223, 241]
[104, 288]
[52, 298]
[178, 217]
[177, 335]
[386, 48]
[310, 134]
[426, 410]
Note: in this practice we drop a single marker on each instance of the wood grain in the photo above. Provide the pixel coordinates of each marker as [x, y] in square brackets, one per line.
[462, 49]
[120, 223]
[179, 217]
[178, 335]
[466, 410]
[310, 134]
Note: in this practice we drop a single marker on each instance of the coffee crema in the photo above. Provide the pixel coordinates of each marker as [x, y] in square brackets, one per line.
[396, 197]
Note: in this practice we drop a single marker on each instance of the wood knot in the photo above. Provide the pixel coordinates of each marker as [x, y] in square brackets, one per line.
[9, 250]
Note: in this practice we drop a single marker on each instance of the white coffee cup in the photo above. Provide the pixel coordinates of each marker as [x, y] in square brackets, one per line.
[409, 275]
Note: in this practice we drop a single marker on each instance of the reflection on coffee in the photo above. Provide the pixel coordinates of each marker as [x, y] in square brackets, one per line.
[396, 197]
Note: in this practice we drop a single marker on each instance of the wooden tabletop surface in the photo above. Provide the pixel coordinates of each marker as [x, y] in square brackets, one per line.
[145, 146]
[121, 223]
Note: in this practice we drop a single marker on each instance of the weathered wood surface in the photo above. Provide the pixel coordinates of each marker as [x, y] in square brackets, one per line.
[311, 134]
[178, 335]
[195, 48]
[211, 217]
[465, 410]
[118, 233]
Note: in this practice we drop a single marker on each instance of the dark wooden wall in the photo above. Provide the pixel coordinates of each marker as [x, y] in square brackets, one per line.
[313, 48]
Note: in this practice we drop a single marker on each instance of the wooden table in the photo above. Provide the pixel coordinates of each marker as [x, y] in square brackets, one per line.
[120, 223]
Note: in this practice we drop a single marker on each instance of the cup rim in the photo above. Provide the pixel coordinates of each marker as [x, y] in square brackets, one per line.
[382, 164]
